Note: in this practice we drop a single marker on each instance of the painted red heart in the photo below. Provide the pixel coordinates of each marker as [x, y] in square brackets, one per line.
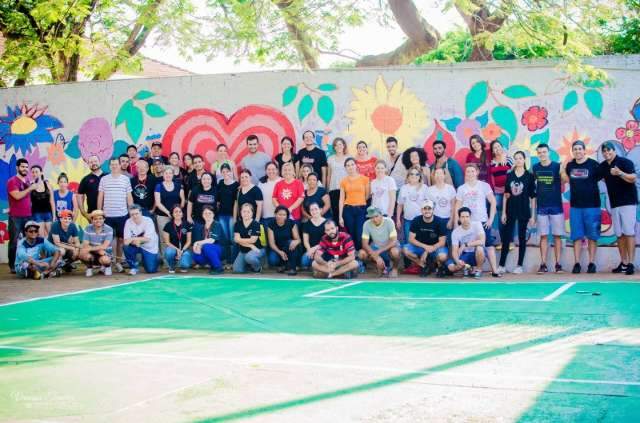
[200, 131]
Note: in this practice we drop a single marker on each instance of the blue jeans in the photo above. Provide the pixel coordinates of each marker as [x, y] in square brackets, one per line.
[406, 226]
[226, 222]
[275, 260]
[150, 261]
[170, 258]
[210, 254]
[354, 218]
[305, 260]
[16, 226]
[252, 258]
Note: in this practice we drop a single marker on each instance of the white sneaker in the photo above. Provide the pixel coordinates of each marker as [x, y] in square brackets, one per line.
[172, 271]
[518, 270]
[107, 271]
[133, 272]
[502, 270]
[89, 272]
[119, 268]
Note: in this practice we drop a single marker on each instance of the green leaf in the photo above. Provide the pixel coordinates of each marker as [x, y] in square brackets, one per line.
[134, 119]
[506, 119]
[452, 123]
[570, 100]
[593, 100]
[327, 87]
[476, 97]
[483, 119]
[143, 95]
[518, 91]
[289, 95]
[305, 107]
[326, 109]
[119, 147]
[542, 137]
[124, 111]
[154, 110]
[73, 149]
[593, 83]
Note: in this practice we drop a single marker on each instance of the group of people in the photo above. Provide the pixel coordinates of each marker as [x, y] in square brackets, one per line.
[330, 212]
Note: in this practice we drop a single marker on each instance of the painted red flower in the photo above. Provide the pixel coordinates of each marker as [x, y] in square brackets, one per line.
[534, 118]
[629, 135]
[4, 233]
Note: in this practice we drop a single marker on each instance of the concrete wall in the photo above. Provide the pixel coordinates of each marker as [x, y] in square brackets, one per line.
[520, 103]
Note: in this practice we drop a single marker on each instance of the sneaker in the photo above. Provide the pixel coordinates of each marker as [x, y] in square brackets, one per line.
[518, 270]
[543, 269]
[171, 271]
[89, 272]
[214, 271]
[183, 270]
[501, 269]
[292, 272]
[425, 271]
[119, 268]
[133, 272]
[441, 272]
[591, 268]
[477, 274]
[630, 269]
[576, 268]
[496, 275]
[620, 269]
[347, 275]
[37, 275]
[107, 271]
[466, 272]
[559, 268]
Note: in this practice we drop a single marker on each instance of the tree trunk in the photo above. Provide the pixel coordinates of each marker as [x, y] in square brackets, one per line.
[480, 21]
[298, 35]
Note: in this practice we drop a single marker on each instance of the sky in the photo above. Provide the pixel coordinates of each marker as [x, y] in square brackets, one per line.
[367, 39]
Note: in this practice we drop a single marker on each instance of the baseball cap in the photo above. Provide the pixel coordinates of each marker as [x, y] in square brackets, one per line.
[65, 213]
[373, 211]
[158, 160]
[427, 203]
[159, 143]
[31, 224]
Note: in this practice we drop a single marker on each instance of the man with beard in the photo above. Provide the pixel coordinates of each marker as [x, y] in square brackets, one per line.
[336, 254]
[394, 162]
[313, 156]
[255, 161]
[193, 180]
[125, 162]
[453, 172]
[427, 241]
[97, 245]
[143, 186]
[89, 187]
[36, 257]
[156, 153]
[19, 191]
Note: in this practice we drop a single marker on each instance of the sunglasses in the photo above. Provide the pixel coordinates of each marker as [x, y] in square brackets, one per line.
[30, 231]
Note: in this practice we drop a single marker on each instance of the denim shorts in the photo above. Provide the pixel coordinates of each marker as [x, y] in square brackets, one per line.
[585, 222]
[419, 251]
[42, 217]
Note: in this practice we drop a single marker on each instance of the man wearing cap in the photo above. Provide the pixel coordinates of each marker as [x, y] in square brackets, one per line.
[582, 174]
[140, 237]
[157, 168]
[380, 243]
[89, 187]
[156, 153]
[336, 254]
[427, 240]
[36, 257]
[64, 235]
[620, 178]
[453, 172]
[97, 247]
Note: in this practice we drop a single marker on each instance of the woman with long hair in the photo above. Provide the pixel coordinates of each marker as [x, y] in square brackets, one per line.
[284, 242]
[354, 192]
[315, 193]
[416, 157]
[312, 232]
[227, 191]
[64, 198]
[267, 187]
[206, 242]
[383, 190]
[222, 157]
[200, 196]
[336, 172]
[365, 163]
[499, 166]
[248, 193]
[168, 193]
[478, 155]
[443, 196]
[177, 241]
[287, 154]
[43, 210]
[412, 195]
[179, 174]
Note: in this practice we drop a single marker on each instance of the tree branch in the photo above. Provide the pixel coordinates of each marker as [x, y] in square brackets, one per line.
[299, 35]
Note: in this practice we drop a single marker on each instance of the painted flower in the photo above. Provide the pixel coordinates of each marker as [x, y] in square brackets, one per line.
[491, 132]
[35, 158]
[55, 154]
[564, 151]
[4, 233]
[75, 171]
[534, 118]
[629, 135]
[95, 139]
[466, 129]
[379, 112]
[25, 126]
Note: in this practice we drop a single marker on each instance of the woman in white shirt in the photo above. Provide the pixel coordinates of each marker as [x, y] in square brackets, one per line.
[383, 190]
[273, 176]
[443, 196]
[412, 195]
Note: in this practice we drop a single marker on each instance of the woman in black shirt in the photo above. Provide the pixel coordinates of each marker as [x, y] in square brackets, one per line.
[312, 232]
[42, 206]
[287, 155]
[227, 190]
[284, 242]
[201, 195]
[177, 241]
[519, 201]
[248, 194]
[315, 194]
[246, 234]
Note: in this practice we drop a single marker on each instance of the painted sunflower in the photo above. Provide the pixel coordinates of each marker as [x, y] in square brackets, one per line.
[24, 126]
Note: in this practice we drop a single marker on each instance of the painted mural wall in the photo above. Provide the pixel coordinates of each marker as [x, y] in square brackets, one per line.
[520, 104]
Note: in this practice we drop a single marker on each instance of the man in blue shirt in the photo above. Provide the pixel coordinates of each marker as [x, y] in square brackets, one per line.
[65, 235]
[36, 257]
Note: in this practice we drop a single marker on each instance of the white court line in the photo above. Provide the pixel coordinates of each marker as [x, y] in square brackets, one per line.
[555, 294]
[381, 297]
[335, 288]
[253, 361]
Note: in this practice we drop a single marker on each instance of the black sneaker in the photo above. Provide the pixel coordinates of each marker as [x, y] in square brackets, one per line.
[425, 271]
[576, 268]
[591, 268]
[559, 268]
[542, 269]
[441, 272]
[630, 269]
[620, 269]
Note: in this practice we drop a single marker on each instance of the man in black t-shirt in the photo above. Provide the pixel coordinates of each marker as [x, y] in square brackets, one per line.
[143, 186]
[89, 187]
[314, 156]
[427, 240]
[156, 153]
[620, 177]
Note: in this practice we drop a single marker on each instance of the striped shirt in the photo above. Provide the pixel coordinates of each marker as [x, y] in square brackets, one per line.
[97, 238]
[115, 191]
[338, 249]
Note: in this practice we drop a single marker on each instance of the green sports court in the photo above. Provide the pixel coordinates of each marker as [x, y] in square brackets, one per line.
[218, 349]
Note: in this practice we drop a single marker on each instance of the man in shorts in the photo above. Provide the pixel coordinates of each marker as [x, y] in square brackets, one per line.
[380, 243]
[620, 178]
[97, 249]
[36, 257]
[427, 242]
[467, 246]
[336, 254]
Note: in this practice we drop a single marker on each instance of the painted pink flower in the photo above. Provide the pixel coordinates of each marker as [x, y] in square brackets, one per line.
[465, 129]
[629, 135]
[534, 118]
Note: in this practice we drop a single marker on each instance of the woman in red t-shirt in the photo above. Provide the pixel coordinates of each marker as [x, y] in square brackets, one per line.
[478, 155]
[289, 192]
[365, 164]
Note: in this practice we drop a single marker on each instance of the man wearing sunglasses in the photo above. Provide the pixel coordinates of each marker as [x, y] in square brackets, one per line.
[36, 257]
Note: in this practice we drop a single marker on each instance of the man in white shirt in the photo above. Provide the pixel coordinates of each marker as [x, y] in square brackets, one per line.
[140, 237]
[467, 242]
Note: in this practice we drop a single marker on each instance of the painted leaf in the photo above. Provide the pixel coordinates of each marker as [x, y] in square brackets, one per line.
[326, 109]
[327, 87]
[476, 97]
[124, 112]
[518, 91]
[143, 95]
[593, 83]
[483, 119]
[134, 121]
[452, 123]
[506, 119]
[289, 95]
[593, 100]
[119, 147]
[72, 149]
[504, 141]
[305, 107]
[154, 110]
[570, 100]
[542, 137]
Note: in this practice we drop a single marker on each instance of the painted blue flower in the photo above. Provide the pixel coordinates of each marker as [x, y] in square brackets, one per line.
[23, 127]
[7, 170]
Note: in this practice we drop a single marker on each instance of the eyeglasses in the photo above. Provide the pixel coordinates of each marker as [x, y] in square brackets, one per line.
[427, 208]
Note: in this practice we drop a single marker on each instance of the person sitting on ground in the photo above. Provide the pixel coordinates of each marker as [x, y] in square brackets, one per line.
[427, 241]
[36, 257]
[312, 232]
[65, 235]
[468, 245]
[336, 255]
[140, 237]
[284, 240]
[380, 243]
[207, 239]
[247, 237]
[177, 241]
[97, 244]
